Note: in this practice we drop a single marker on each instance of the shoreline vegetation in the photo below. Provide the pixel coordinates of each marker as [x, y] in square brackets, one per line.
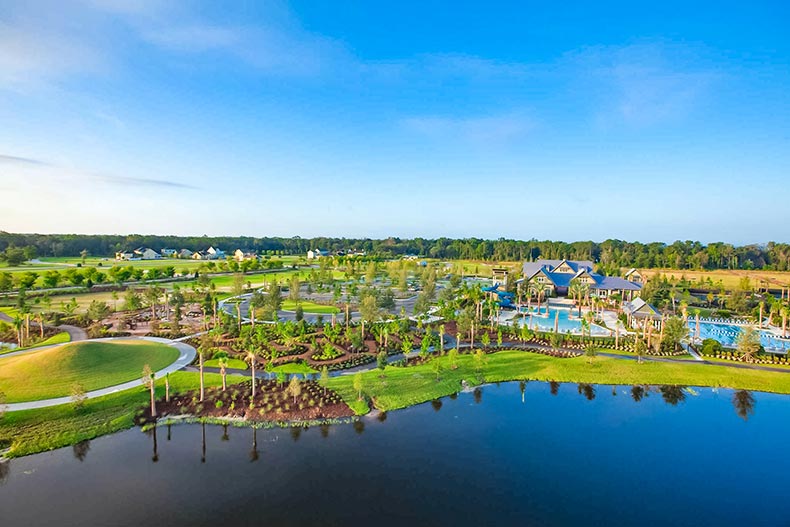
[394, 387]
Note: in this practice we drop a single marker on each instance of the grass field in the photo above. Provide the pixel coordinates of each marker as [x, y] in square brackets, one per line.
[294, 367]
[402, 387]
[32, 431]
[52, 372]
[310, 307]
[235, 364]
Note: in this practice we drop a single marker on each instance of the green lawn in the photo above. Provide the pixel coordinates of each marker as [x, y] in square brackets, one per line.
[52, 372]
[402, 387]
[310, 307]
[294, 367]
[236, 364]
[32, 431]
[57, 338]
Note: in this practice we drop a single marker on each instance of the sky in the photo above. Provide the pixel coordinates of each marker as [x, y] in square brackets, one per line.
[553, 120]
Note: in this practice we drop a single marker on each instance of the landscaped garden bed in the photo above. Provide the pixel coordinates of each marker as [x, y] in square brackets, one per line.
[274, 401]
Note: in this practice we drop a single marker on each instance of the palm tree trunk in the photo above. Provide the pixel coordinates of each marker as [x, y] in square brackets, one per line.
[252, 365]
[153, 398]
[167, 388]
[202, 391]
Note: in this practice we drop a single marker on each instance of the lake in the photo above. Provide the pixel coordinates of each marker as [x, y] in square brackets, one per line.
[565, 456]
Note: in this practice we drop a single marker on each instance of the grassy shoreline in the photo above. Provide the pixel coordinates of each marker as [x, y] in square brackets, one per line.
[398, 387]
[33, 431]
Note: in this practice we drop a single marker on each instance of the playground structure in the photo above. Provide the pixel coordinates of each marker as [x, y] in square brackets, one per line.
[505, 299]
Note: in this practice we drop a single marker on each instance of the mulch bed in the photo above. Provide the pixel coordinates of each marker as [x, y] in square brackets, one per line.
[272, 403]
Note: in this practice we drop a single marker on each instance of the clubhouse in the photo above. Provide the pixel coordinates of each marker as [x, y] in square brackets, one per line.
[556, 276]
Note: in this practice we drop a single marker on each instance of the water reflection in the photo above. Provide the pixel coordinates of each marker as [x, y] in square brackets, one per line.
[453, 396]
[203, 438]
[382, 416]
[436, 404]
[672, 394]
[638, 393]
[359, 426]
[744, 402]
[155, 456]
[522, 387]
[588, 390]
[225, 436]
[254, 451]
[296, 433]
[5, 470]
[81, 450]
[554, 387]
[477, 394]
[324, 429]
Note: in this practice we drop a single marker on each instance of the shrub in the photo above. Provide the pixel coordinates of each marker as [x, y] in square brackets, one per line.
[711, 347]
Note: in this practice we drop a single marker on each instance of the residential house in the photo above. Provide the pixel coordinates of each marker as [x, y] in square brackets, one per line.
[124, 255]
[240, 255]
[216, 253]
[168, 253]
[316, 253]
[146, 253]
[633, 275]
[185, 253]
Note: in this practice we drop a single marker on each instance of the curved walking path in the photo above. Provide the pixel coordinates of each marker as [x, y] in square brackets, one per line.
[186, 356]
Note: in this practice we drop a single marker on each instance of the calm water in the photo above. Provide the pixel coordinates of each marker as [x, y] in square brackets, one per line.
[481, 459]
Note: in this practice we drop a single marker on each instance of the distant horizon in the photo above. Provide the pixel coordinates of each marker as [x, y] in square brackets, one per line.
[348, 237]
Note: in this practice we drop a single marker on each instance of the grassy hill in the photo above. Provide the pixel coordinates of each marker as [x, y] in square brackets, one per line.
[52, 372]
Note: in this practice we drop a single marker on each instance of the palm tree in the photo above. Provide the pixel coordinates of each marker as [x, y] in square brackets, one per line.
[748, 343]
[578, 290]
[148, 382]
[251, 357]
[223, 365]
[202, 351]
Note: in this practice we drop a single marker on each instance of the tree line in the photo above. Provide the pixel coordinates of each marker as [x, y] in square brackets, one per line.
[610, 254]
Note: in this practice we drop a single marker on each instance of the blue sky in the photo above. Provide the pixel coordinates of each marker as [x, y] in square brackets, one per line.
[499, 119]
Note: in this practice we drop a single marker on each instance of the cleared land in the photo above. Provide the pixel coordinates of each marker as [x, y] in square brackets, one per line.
[728, 278]
[52, 372]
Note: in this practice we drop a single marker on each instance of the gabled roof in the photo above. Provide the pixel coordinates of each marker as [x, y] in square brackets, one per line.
[615, 283]
[639, 306]
[530, 268]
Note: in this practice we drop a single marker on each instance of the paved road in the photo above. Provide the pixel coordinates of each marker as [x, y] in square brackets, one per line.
[186, 356]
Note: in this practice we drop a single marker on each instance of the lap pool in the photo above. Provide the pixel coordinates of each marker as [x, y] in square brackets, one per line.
[727, 335]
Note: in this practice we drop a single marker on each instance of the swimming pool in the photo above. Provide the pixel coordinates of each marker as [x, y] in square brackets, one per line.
[568, 321]
[727, 335]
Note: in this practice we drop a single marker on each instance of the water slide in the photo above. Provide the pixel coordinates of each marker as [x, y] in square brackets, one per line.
[505, 298]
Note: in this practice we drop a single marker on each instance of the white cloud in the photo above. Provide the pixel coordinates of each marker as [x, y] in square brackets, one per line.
[641, 84]
[29, 55]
